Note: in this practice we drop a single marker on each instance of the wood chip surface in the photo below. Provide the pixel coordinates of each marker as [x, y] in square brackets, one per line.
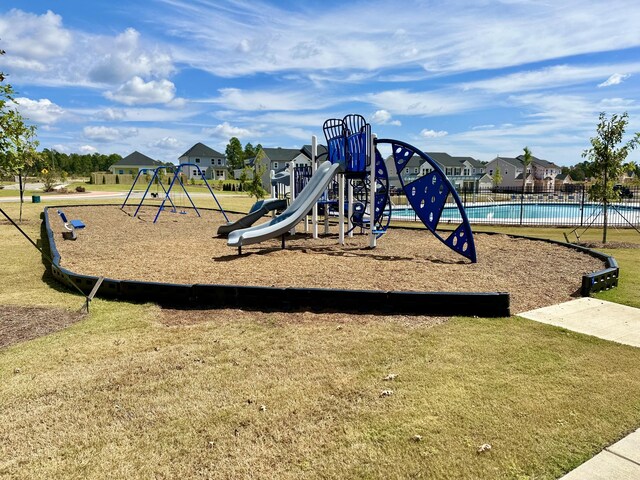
[183, 248]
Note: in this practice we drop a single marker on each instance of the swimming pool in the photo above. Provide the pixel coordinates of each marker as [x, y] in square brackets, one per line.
[561, 214]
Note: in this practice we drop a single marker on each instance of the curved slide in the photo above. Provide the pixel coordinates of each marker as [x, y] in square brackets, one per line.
[258, 210]
[292, 215]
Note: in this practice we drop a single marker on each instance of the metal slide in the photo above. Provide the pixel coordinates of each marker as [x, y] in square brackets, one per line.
[258, 210]
[292, 215]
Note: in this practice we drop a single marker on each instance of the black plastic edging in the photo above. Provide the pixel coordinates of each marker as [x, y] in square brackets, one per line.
[591, 282]
[481, 304]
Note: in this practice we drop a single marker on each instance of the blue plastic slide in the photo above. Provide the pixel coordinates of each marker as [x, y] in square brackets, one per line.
[292, 215]
[258, 210]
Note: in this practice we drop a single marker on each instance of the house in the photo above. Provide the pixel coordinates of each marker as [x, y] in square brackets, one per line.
[132, 163]
[212, 163]
[540, 175]
[277, 159]
[564, 182]
[465, 173]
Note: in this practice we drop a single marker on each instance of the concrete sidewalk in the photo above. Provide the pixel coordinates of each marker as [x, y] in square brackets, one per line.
[610, 321]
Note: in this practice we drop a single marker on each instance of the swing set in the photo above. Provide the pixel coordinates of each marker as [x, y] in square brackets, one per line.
[177, 175]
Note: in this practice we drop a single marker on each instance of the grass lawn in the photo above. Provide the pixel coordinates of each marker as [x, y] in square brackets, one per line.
[132, 391]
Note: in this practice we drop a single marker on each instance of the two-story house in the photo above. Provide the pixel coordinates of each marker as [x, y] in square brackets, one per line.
[210, 161]
[540, 175]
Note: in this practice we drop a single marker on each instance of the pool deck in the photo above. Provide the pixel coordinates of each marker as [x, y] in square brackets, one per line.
[617, 323]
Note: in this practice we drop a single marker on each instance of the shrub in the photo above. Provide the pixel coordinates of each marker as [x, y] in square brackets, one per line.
[80, 189]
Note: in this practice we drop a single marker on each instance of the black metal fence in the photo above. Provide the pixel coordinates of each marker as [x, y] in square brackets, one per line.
[567, 207]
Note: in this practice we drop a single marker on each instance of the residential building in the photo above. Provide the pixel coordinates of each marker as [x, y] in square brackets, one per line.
[132, 163]
[465, 173]
[277, 159]
[211, 162]
[540, 175]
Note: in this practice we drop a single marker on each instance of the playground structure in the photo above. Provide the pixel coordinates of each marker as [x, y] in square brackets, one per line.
[351, 147]
[176, 178]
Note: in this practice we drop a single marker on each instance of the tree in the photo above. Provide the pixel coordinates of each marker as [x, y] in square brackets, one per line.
[17, 140]
[606, 160]
[497, 177]
[249, 151]
[251, 180]
[234, 154]
[526, 161]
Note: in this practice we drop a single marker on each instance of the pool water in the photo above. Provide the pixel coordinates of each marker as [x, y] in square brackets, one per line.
[534, 213]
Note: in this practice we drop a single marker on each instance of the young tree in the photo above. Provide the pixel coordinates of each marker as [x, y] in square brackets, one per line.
[234, 154]
[497, 177]
[526, 161]
[17, 140]
[606, 159]
[251, 181]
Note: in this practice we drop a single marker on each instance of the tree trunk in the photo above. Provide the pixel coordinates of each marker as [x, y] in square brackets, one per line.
[20, 185]
[604, 204]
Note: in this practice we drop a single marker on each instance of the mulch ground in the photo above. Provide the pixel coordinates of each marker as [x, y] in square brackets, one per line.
[184, 249]
[18, 324]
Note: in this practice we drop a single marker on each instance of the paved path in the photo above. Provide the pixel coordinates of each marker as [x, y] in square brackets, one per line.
[610, 321]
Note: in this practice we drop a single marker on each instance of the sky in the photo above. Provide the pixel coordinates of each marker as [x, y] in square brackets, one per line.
[470, 78]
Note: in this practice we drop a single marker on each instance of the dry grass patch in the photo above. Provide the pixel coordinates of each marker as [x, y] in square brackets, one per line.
[122, 394]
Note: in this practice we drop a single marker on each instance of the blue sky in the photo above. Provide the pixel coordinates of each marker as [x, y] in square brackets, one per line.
[474, 78]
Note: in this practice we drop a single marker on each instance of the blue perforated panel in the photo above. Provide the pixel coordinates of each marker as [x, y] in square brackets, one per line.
[428, 195]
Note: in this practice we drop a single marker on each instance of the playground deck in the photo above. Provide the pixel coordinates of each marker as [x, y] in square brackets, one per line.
[184, 249]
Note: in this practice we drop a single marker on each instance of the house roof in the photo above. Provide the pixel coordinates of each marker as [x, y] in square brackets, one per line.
[474, 163]
[445, 159]
[201, 150]
[306, 149]
[281, 154]
[516, 162]
[539, 161]
[137, 159]
[562, 176]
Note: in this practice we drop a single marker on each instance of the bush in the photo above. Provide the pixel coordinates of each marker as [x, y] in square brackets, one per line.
[80, 189]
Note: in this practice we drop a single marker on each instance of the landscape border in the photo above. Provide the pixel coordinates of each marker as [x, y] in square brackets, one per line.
[481, 304]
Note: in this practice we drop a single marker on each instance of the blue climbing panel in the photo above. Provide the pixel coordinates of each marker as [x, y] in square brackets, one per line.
[428, 195]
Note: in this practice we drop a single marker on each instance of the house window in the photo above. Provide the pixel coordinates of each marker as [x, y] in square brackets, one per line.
[448, 171]
[506, 172]
[456, 171]
[197, 160]
[275, 165]
[195, 173]
[491, 172]
[121, 172]
[466, 171]
[219, 173]
[415, 170]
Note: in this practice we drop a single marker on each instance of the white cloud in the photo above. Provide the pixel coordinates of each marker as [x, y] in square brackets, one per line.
[382, 117]
[166, 142]
[255, 100]
[136, 91]
[615, 79]
[433, 133]
[39, 111]
[60, 148]
[225, 130]
[123, 57]
[88, 149]
[31, 38]
[403, 102]
[467, 35]
[108, 134]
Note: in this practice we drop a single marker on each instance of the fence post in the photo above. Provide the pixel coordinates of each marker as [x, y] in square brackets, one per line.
[582, 206]
[521, 205]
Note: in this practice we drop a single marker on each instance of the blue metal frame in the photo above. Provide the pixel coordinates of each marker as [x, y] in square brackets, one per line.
[428, 194]
[155, 175]
[176, 175]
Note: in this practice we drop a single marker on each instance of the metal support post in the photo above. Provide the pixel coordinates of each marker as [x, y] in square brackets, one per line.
[372, 191]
